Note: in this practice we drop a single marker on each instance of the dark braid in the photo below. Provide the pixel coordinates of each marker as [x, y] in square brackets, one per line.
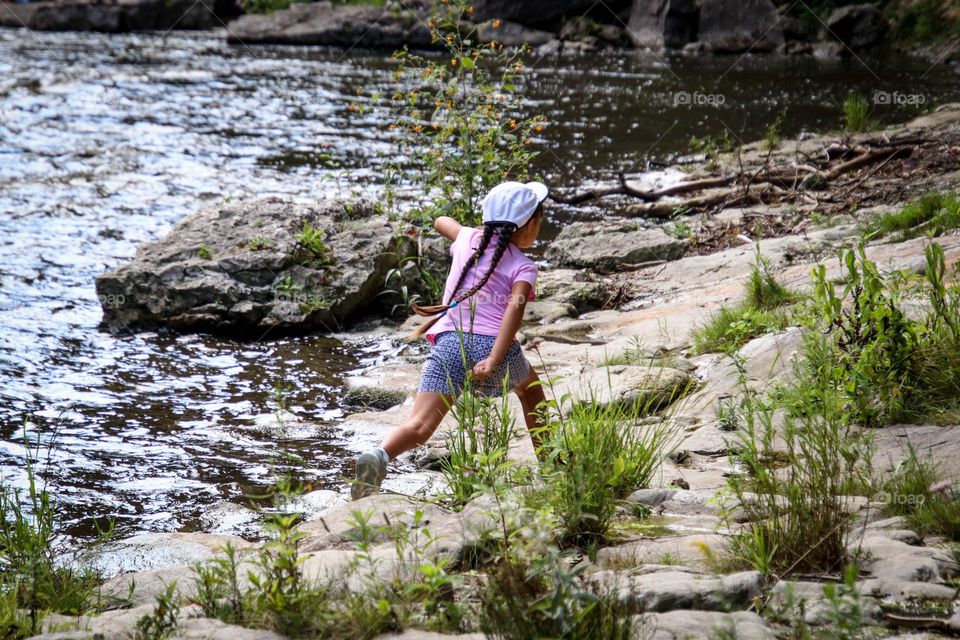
[474, 260]
[504, 231]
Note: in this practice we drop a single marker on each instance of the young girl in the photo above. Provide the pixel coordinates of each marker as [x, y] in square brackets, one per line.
[474, 333]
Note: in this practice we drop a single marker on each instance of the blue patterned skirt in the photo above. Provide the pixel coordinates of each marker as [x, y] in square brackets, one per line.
[446, 368]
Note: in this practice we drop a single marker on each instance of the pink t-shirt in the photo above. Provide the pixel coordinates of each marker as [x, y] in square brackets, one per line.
[482, 313]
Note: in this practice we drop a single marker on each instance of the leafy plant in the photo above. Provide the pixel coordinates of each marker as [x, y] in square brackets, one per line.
[259, 243]
[772, 137]
[162, 623]
[311, 240]
[597, 454]
[932, 214]
[856, 114]
[204, 252]
[921, 492]
[460, 118]
[845, 611]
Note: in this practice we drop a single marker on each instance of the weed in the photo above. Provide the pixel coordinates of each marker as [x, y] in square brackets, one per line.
[595, 455]
[797, 469]
[311, 241]
[204, 252]
[856, 114]
[460, 118]
[920, 491]
[681, 230]
[845, 611]
[932, 214]
[218, 591]
[259, 243]
[772, 137]
[162, 623]
[478, 446]
[762, 311]
[31, 557]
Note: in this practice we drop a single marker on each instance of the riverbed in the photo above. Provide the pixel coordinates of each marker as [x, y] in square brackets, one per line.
[106, 141]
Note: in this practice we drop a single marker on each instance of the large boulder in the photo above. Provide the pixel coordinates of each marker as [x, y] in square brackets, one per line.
[323, 23]
[606, 246]
[130, 15]
[250, 268]
[720, 26]
[859, 26]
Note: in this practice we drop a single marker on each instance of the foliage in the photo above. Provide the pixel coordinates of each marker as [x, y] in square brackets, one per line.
[932, 214]
[889, 367]
[772, 137]
[204, 252]
[797, 470]
[478, 446]
[845, 612]
[856, 114]
[428, 283]
[34, 577]
[162, 623]
[920, 491]
[460, 119]
[311, 241]
[762, 311]
[596, 454]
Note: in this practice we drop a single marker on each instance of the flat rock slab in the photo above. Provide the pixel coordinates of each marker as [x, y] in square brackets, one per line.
[630, 386]
[707, 625]
[660, 591]
[246, 268]
[160, 550]
[689, 551]
[605, 246]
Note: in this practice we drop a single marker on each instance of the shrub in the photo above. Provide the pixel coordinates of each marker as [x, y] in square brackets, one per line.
[932, 214]
[460, 119]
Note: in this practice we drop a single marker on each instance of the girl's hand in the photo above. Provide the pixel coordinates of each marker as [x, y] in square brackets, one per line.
[484, 368]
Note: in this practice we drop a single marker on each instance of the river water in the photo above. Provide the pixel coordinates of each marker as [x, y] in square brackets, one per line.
[106, 141]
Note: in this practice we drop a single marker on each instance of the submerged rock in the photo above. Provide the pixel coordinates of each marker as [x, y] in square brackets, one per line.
[605, 246]
[251, 267]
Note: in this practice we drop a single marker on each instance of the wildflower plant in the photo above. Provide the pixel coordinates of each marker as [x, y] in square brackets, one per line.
[460, 117]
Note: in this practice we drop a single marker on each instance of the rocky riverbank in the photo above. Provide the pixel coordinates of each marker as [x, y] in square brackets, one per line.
[661, 26]
[615, 305]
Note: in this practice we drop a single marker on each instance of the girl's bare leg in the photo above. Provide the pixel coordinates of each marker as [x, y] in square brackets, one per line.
[371, 467]
[429, 408]
[530, 393]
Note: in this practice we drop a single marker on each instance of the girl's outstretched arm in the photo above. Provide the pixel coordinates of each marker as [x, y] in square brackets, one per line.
[448, 227]
[508, 329]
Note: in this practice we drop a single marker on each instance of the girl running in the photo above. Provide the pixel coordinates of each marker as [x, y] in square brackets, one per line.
[474, 333]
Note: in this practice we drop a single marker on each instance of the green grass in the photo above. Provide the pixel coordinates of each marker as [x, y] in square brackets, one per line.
[856, 114]
[595, 455]
[932, 214]
[34, 579]
[925, 496]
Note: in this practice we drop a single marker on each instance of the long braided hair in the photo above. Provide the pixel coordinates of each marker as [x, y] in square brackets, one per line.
[503, 232]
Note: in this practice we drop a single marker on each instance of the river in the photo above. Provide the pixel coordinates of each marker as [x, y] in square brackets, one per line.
[106, 141]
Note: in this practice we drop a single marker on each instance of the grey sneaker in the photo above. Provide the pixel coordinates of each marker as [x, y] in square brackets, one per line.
[370, 473]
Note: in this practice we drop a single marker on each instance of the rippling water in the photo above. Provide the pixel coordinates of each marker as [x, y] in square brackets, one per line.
[107, 141]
